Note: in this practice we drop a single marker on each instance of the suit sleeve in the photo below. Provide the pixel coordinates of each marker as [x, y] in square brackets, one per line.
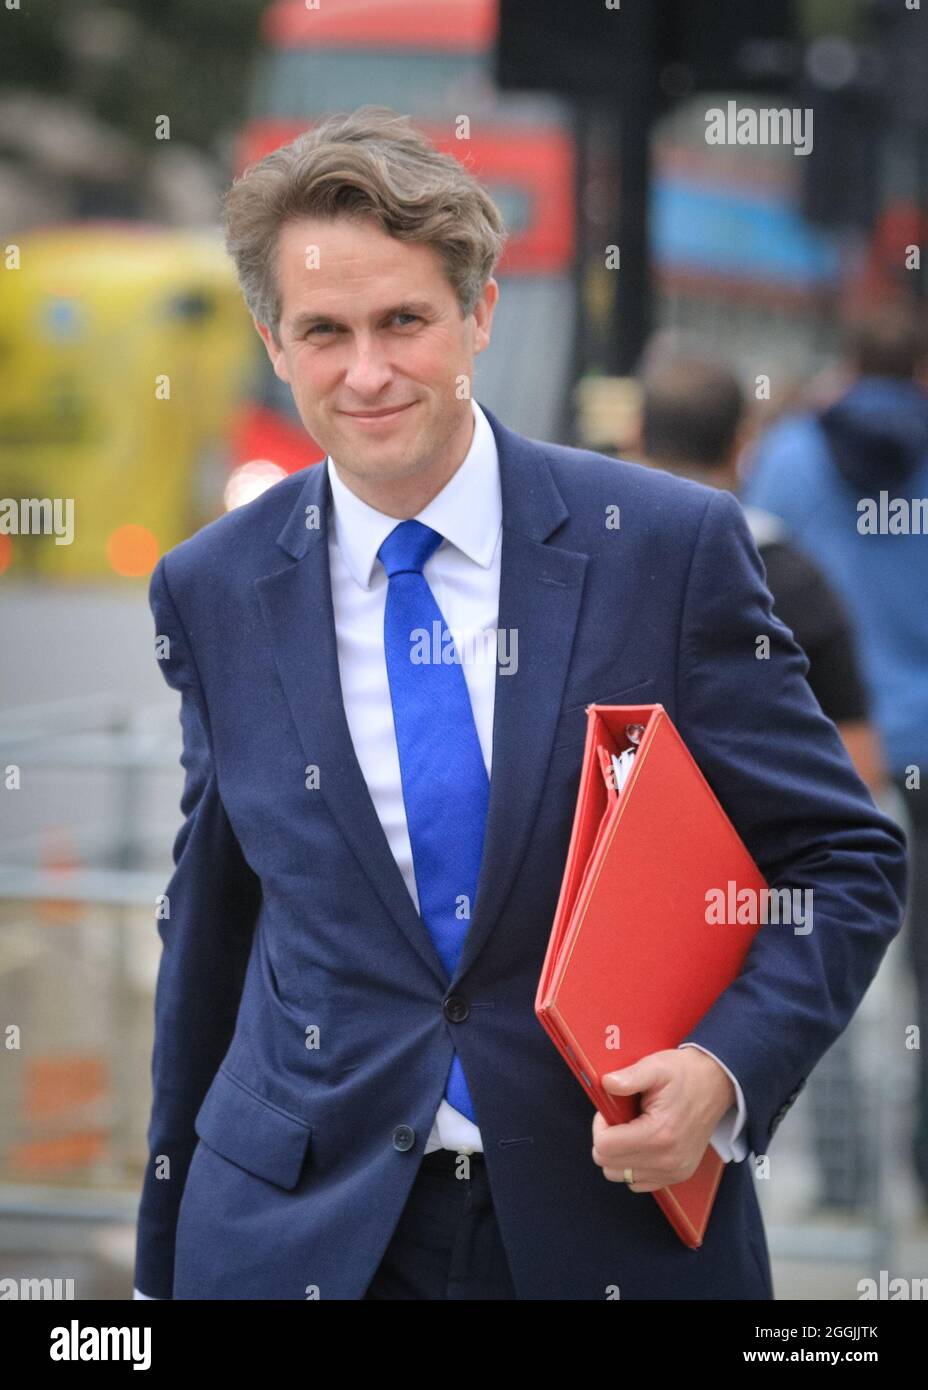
[779, 768]
[206, 925]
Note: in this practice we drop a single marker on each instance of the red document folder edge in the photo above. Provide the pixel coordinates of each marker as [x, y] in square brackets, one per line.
[633, 962]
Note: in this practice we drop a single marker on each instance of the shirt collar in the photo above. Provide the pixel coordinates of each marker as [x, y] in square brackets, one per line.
[468, 511]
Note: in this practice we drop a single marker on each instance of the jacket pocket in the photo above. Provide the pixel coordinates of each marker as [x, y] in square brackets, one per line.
[571, 727]
[252, 1132]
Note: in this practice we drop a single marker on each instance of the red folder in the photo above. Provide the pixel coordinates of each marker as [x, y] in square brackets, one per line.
[633, 962]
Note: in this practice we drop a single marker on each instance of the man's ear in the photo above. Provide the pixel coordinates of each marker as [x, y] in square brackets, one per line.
[275, 353]
[483, 314]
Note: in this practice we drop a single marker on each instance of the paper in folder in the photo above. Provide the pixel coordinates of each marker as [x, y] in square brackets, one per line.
[633, 962]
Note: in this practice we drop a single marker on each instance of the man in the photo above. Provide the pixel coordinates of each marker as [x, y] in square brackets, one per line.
[850, 483]
[694, 423]
[352, 1095]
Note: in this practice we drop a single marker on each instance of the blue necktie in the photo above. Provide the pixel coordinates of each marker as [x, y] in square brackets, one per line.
[445, 785]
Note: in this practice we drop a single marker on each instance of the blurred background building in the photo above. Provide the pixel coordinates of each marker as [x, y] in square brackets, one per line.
[133, 383]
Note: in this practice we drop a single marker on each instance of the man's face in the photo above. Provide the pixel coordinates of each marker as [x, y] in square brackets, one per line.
[376, 327]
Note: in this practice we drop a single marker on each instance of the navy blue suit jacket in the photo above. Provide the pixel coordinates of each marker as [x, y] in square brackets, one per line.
[289, 1164]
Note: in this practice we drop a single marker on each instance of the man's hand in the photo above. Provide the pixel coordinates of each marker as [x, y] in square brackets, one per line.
[684, 1095]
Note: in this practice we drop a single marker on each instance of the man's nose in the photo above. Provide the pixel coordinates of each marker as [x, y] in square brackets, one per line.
[368, 370]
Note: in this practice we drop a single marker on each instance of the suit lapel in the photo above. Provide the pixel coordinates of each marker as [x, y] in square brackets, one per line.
[539, 601]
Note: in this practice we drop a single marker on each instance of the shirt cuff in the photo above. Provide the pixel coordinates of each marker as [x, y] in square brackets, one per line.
[728, 1139]
[147, 1296]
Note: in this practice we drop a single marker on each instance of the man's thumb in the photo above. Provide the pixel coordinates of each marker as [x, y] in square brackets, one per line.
[627, 1082]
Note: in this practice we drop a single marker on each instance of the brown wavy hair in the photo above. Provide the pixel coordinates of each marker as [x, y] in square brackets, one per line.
[371, 162]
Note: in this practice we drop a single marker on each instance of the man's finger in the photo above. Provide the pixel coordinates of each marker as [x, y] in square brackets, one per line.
[653, 1070]
[646, 1178]
[626, 1142]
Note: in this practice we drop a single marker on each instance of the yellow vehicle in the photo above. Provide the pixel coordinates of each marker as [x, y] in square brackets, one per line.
[124, 351]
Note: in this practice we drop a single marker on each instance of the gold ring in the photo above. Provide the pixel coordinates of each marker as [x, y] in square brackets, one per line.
[628, 1175]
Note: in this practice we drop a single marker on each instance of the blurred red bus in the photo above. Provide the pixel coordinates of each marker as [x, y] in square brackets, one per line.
[432, 62]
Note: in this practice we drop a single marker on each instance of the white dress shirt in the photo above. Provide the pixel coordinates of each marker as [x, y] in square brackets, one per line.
[463, 574]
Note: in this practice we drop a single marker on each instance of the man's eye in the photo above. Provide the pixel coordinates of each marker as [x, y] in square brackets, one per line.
[318, 329]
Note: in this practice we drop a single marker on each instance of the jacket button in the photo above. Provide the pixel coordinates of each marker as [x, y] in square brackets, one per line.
[404, 1136]
[456, 1008]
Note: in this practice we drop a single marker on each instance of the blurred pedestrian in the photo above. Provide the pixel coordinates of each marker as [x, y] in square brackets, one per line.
[693, 423]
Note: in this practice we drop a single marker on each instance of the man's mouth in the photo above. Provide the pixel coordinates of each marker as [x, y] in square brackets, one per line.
[376, 417]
